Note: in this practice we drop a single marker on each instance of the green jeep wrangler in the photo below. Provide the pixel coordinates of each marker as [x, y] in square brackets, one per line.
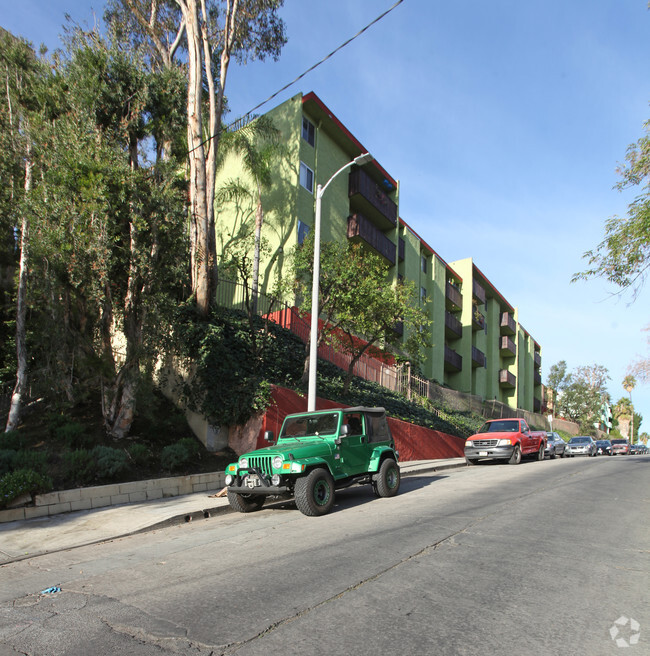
[317, 453]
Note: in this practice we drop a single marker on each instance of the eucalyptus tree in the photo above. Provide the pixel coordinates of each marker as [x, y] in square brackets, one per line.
[22, 104]
[211, 33]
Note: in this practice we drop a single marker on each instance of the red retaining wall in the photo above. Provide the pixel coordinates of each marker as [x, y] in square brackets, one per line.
[413, 442]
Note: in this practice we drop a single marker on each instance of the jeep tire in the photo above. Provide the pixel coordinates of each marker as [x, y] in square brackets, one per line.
[386, 480]
[314, 493]
[245, 503]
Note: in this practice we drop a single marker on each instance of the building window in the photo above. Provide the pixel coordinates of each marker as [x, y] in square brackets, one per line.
[303, 231]
[423, 295]
[423, 263]
[308, 131]
[306, 177]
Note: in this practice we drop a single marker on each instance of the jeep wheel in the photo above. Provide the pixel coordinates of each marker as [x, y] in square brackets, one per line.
[245, 503]
[515, 458]
[315, 493]
[387, 479]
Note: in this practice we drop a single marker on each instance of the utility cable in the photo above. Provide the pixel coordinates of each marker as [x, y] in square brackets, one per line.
[309, 70]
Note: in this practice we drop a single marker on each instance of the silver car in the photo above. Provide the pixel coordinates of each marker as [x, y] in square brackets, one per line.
[582, 445]
[555, 445]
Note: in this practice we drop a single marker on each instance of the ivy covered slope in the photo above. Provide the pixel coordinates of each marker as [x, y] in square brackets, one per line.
[238, 357]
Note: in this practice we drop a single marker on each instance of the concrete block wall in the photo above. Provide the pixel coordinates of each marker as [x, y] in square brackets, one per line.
[100, 496]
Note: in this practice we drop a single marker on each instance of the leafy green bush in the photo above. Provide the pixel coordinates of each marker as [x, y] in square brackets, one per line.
[73, 435]
[22, 481]
[6, 461]
[175, 457]
[234, 361]
[139, 454]
[80, 467]
[191, 445]
[110, 463]
[34, 460]
[12, 440]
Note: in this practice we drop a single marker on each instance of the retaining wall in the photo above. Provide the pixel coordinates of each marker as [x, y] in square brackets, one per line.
[100, 496]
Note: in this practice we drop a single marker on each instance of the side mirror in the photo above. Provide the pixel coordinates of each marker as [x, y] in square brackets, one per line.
[345, 429]
[269, 437]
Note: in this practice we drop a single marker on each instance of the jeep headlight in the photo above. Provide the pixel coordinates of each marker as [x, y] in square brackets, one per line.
[275, 479]
[243, 463]
[277, 462]
[506, 442]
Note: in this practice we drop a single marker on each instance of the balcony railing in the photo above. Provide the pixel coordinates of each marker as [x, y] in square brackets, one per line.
[507, 347]
[401, 246]
[360, 227]
[538, 359]
[478, 292]
[508, 325]
[453, 361]
[454, 298]
[478, 320]
[363, 187]
[537, 377]
[478, 357]
[506, 379]
[453, 327]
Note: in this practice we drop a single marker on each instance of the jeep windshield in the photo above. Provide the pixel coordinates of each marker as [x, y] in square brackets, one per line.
[310, 426]
[502, 426]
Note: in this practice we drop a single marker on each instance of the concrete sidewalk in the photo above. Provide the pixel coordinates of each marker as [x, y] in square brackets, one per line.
[41, 535]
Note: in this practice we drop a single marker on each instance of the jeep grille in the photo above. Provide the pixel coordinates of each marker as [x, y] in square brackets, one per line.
[263, 463]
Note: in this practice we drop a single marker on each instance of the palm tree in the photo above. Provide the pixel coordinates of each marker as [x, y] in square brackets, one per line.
[629, 383]
[259, 145]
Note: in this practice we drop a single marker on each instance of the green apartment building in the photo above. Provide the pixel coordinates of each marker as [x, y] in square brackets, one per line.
[477, 344]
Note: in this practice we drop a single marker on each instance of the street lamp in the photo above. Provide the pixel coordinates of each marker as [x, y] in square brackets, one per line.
[313, 333]
[628, 389]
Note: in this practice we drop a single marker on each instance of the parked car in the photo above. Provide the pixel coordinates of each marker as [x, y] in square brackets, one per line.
[555, 446]
[643, 448]
[635, 449]
[604, 447]
[582, 445]
[621, 447]
[505, 439]
[317, 453]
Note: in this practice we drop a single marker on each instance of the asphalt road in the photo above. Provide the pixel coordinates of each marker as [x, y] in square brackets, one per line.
[539, 558]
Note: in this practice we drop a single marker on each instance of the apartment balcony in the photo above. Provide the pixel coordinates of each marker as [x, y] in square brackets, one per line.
[506, 379]
[453, 361]
[453, 327]
[538, 359]
[454, 299]
[537, 377]
[371, 199]
[478, 292]
[507, 347]
[401, 246]
[478, 320]
[360, 228]
[508, 325]
[478, 358]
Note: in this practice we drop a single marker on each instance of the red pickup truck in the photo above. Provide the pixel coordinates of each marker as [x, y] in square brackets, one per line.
[505, 439]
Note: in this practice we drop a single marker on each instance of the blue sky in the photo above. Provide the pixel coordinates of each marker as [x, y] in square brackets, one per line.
[504, 122]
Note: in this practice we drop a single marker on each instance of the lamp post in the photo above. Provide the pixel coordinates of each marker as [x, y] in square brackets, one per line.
[313, 333]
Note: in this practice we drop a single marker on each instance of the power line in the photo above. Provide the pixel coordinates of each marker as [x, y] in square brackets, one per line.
[309, 70]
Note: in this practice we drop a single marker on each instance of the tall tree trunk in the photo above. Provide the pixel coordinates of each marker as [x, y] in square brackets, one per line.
[259, 219]
[203, 147]
[21, 309]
